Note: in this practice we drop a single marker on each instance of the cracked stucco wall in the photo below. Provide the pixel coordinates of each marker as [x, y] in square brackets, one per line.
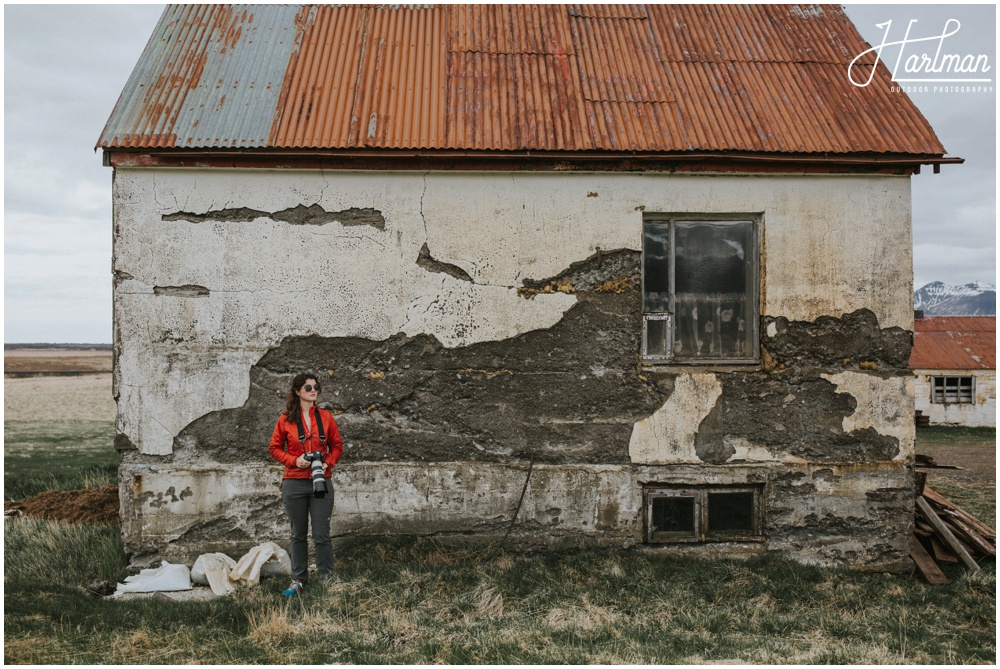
[180, 358]
[226, 281]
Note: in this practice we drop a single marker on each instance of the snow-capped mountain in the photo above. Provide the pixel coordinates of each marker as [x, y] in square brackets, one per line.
[972, 299]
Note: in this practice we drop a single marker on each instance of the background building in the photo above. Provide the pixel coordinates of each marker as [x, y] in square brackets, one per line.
[954, 360]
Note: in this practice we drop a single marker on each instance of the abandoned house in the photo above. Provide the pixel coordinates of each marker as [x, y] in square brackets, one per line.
[955, 365]
[652, 261]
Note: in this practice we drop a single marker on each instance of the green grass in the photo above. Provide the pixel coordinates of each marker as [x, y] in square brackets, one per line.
[418, 602]
[57, 455]
[946, 435]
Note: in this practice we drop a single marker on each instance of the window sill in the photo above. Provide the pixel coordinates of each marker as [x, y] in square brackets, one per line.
[688, 366]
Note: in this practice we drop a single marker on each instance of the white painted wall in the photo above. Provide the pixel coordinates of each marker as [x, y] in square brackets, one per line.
[983, 413]
[832, 244]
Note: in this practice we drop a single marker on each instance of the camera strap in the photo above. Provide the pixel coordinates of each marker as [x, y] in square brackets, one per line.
[302, 430]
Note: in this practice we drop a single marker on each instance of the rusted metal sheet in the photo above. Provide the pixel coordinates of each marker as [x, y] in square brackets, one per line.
[210, 76]
[960, 342]
[572, 78]
[509, 29]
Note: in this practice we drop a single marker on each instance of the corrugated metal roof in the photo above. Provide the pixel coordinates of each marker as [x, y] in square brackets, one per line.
[954, 342]
[656, 78]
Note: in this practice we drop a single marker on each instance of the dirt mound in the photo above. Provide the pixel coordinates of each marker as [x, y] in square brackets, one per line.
[92, 505]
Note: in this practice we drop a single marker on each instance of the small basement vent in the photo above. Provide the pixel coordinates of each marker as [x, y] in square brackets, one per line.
[696, 514]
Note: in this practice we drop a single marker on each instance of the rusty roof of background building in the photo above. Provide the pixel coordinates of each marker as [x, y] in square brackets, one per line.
[556, 78]
[954, 342]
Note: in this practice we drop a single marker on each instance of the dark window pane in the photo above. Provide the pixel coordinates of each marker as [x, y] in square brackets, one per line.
[655, 269]
[673, 514]
[730, 512]
[714, 279]
[656, 337]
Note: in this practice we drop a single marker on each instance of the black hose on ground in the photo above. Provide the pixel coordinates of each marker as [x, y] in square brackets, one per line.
[531, 464]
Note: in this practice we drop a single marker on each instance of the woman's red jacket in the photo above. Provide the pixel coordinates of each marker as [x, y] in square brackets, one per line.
[286, 447]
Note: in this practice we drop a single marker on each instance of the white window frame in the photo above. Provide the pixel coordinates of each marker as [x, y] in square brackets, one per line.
[753, 296]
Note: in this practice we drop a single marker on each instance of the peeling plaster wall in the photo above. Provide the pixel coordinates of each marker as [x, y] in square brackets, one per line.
[981, 413]
[407, 292]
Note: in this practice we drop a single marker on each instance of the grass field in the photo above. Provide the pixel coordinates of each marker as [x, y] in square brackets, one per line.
[57, 455]
[949, 435]
[418, 602]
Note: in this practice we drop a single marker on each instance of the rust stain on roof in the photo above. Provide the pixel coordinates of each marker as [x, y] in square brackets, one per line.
[954, 342]
[562, 78]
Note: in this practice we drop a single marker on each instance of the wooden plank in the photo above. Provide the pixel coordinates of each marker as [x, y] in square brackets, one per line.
[984, 530]
[976, 540]
[926, 565]
[941, 552]
[980, 529]
[945, 533]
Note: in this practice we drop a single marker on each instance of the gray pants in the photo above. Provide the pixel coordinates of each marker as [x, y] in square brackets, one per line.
[301, 506]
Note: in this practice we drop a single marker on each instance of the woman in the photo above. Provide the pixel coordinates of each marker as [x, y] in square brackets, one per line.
[302, 421]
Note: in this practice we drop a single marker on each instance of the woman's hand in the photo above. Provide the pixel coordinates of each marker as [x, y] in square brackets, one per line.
[301, 462]
[325, 467]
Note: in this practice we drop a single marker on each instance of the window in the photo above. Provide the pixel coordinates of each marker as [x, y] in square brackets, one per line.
[699, 290]
[952, 389]
[687, 515]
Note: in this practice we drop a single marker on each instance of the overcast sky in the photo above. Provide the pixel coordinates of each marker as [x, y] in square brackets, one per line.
[64, 67]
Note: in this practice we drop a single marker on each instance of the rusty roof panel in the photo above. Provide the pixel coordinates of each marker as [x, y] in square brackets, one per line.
[515, 102]
[211, 76]
[367, 76]
[609, 11]
[761, 33]
[954, 342]
[510, 29]
[657, 78]
[619, 61]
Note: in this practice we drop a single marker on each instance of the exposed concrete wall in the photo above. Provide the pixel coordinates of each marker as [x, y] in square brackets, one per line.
[821, 514]
[981, 413]
[402, 291]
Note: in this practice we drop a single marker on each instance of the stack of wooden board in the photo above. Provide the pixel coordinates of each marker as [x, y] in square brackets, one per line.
[945, 533]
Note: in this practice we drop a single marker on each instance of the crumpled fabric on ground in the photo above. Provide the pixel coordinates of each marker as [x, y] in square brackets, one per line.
[268, 558]
[165, 578]
[213, 570]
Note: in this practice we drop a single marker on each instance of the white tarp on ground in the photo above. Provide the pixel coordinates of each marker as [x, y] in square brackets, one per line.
[213, 570]
[165, 578]
[221, 572]
[216, 570]
[268, 559]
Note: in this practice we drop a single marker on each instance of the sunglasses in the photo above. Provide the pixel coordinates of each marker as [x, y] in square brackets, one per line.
[309, 388]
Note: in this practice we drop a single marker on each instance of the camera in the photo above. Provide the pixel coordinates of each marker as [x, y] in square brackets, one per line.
[315, 459]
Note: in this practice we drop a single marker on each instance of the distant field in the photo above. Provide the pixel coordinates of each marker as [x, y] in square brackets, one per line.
[56, 360]
[76, 447]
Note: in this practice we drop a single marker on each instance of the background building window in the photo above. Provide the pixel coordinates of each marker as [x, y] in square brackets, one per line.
[952, 389]
[699, 288]
[687, 515]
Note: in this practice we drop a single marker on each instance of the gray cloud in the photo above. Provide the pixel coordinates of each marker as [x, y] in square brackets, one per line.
[954, 212]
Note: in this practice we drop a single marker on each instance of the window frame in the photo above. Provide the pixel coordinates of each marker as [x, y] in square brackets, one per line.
[701, 533]
[753, 296]
[940, 389]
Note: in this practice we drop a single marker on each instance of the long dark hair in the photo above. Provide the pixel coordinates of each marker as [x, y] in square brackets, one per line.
[293, 410]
